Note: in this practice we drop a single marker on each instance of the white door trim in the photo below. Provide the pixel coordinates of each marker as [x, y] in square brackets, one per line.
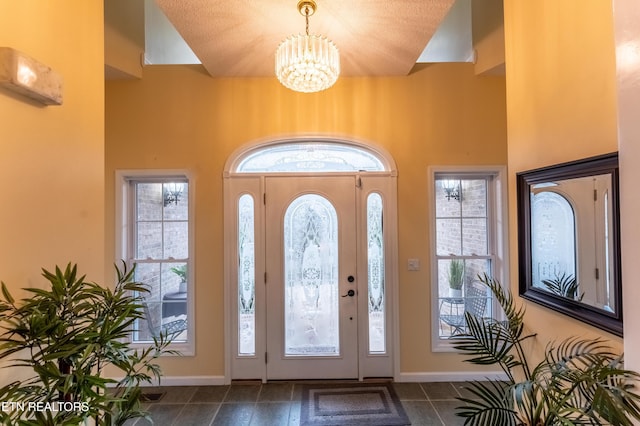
[236, 184]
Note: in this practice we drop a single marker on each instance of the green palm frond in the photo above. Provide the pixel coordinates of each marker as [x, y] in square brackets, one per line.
[586, 381]
[491, 405]
[514, 314]
[489, 342]
[564, 285]
[578, 382]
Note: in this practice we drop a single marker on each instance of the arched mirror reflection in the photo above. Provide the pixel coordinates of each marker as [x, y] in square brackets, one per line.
[569, 240]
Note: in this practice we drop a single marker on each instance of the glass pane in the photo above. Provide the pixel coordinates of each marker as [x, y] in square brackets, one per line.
[553, 248]
[476, 267]
[311, 279]
[448, 237]
[174, 301]
[149, 240]
[246, 277]
[176, 240]
[175, 200]
[375, 255]
[474, 237]
[162, 233]
[474, 197]
[310, 157]
[149, 201]
[174, 277]
[149, 275]
[145, 328]
[166, 305]
[450, 283]
[447, 205]
[460, 291]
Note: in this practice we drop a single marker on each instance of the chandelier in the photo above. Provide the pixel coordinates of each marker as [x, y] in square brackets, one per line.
[307, 63]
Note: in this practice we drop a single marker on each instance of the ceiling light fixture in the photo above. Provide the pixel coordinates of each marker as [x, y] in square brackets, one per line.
[451, 189]
[307, 63]
[172, 192]
[23, 75]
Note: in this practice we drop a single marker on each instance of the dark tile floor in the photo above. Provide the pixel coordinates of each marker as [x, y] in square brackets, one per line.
[276, 404]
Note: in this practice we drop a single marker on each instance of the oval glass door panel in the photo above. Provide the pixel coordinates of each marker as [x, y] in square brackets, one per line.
[311, 295]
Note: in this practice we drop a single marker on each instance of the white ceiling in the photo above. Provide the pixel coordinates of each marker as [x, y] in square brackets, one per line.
[238, 38]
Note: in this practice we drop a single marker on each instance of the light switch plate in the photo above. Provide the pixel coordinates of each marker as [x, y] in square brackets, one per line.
[413, 264]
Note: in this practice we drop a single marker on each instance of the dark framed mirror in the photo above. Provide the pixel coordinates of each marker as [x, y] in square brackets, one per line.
[569, 240]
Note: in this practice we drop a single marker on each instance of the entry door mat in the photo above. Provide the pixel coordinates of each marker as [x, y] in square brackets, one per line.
[351, 404]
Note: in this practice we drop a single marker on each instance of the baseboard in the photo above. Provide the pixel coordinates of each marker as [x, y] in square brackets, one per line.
[186, 381]
[445, 376]
[451, 376]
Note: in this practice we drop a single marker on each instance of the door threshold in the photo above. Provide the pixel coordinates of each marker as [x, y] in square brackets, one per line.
[327, 381]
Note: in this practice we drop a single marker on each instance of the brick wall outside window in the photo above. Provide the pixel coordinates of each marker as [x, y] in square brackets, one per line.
[160, 242]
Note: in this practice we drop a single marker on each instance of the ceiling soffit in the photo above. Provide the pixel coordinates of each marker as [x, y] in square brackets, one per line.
[238, 38]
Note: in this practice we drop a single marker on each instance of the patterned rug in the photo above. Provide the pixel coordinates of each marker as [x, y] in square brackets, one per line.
[351, 404]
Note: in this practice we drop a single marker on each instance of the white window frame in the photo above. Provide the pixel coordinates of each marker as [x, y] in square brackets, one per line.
[498, 236]
[124, 221]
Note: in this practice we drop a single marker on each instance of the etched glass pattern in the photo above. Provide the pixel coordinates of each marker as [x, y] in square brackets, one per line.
[246, 277]
[311, 277]
[553, 251]
[375, 256]
[310, 157]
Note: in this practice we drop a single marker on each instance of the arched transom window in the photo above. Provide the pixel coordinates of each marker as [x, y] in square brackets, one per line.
[310, 157]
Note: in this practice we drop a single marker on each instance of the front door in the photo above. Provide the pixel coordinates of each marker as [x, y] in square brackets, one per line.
[311, 282]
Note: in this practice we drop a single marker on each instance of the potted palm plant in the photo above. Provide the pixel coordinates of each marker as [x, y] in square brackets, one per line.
[579, 381]
[181, 272]
[66, 336]
[456, 277]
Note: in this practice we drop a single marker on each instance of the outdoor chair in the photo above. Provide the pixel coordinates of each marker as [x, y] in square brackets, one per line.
[474, 302]
[169, 328]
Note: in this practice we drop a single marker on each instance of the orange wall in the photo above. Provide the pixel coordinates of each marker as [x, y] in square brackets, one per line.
[561, 106]
[52, 158]
[179, 117]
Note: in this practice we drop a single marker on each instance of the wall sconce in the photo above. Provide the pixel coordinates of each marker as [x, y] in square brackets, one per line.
[171, 193]
[25, 76]
[451, 189]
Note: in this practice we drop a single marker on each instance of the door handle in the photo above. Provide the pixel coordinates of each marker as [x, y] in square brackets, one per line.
[350, 278]
[350, 293]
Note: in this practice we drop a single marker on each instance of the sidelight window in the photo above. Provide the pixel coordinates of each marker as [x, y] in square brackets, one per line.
[156, 238]
[467, 245]
[376, 282]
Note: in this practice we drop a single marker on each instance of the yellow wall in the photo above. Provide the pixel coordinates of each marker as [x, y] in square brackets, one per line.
[52, 158]
[124, 37]
[561, 106]
[179, 117]
[488, 35]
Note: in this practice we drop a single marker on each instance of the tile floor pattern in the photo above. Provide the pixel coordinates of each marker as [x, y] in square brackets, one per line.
[278, 404]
